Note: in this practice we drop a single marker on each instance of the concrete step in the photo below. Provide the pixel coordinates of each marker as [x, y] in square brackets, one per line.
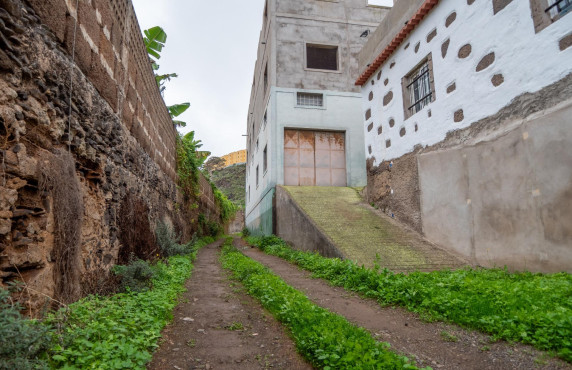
[339, 223]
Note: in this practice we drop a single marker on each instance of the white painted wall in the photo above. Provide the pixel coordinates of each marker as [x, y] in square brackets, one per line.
[528, 62]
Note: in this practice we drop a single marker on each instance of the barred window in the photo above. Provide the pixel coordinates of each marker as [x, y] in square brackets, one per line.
[310, 100]
[322, 57]
[558, 7]
[419, 90]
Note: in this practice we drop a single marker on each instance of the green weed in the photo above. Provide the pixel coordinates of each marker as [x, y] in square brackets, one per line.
[327, 340]
[448, 337]
[527, 307]
[235, 326]
[119, 331]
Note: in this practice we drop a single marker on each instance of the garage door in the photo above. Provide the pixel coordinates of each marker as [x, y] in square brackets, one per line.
[314, 158]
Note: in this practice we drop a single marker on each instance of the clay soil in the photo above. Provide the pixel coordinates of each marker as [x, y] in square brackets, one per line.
[439, 345]
[218, 326]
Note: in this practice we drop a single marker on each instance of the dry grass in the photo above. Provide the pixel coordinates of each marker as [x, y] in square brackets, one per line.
[59, 178]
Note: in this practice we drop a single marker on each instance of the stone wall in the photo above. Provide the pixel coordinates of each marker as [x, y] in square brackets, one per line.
[123, 158]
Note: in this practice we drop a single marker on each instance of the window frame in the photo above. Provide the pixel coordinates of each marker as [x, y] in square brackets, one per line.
[324, 46]
[406, 83]
[265, 160]
[540, 17]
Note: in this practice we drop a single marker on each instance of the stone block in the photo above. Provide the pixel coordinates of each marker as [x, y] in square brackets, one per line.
[54, 14]
[5, 226]
[8, 198]
[83, 51]
[103, 83]
[87, 19]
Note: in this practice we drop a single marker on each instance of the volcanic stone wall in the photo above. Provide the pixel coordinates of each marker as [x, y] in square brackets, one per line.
[110, 163]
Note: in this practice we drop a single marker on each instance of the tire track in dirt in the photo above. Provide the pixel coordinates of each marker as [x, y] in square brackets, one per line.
[439, 345]
[218, 326]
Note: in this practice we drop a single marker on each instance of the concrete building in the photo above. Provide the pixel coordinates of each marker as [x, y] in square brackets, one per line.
[304, 122]
[234, 158]
[467, 132]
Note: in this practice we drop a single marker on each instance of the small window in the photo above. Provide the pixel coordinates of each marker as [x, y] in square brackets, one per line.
[266, 78]
[256, 144]
[265, 119]
[257, 172]
[265, 159]
[310, 100]
[419, 90]
[322, 57]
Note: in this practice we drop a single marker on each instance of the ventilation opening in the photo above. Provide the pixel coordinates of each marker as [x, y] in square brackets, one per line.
[310, 100]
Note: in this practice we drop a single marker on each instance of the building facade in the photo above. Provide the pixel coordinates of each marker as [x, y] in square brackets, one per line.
[234, 158]
[467, 112]
[304, 122]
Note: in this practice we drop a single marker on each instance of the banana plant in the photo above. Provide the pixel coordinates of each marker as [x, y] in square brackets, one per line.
[155, 39]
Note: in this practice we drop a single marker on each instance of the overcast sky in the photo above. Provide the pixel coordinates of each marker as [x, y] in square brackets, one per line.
[212, 46]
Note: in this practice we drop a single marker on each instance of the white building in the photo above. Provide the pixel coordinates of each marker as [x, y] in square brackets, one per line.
[467, 121]
[304, 124]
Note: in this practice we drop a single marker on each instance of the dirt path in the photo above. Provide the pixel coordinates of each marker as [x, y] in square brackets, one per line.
[218, 326]
[438, 345]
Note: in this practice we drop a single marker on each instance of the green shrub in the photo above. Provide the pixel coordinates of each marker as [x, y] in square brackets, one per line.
[327, 340]
[120, 331]
[22, 341]
[530, 308]
[167, 240]
[245, 232]
[136, 276]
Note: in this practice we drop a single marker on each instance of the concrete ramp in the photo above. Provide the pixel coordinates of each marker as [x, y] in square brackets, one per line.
[337, 223]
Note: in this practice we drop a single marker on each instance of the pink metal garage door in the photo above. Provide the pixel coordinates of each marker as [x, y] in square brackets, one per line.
[314, 158]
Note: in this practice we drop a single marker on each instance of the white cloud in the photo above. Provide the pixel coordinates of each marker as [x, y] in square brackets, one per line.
[212, 46]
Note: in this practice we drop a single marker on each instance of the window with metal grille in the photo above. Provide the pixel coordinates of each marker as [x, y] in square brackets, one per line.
[419, 90]
[310, 100]
[265, 159]
[558, 7]
[322, 57]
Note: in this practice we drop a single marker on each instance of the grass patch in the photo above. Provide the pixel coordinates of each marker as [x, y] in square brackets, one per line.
[327, 340]
[120, 331]
[448, 337]
[526, 307]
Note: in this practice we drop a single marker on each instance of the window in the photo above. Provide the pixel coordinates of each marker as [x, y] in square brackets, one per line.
[322, 57]
[256, 144]
[266, 78]
[558, 7]
[546, 12]
[257, 177]
[265, 159]
[310, 100]
[265, 119]
[418, 88]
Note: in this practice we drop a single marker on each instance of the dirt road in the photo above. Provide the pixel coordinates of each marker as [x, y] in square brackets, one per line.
[218, 326]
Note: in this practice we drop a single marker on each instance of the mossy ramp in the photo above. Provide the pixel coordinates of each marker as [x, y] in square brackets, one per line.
[365, 236]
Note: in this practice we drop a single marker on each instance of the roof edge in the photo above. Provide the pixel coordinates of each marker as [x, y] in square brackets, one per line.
[423, 10]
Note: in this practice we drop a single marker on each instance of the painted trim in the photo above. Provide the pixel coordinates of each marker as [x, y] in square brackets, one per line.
[427, 6]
